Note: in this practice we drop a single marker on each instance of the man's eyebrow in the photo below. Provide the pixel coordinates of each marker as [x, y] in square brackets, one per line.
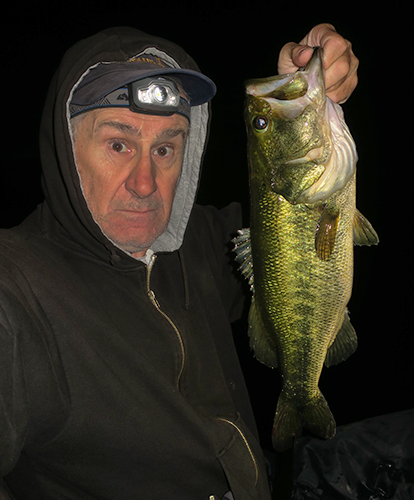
[122, 127]
[170, 133]
[164, 135]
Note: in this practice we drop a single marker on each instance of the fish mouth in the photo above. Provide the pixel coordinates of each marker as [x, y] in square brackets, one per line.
[290, 93]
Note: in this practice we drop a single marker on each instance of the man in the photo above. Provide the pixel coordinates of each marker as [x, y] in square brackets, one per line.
[119, 375]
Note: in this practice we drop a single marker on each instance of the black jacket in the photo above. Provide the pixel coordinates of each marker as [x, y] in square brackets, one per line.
[119, 377]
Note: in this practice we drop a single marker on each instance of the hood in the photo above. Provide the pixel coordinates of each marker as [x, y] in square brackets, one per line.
[64, 200]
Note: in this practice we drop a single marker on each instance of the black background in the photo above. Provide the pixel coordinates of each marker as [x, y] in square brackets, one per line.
[233, 41]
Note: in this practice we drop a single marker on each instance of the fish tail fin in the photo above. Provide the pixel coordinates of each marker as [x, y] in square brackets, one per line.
[289, 420]
[287, 425]
[318, 419]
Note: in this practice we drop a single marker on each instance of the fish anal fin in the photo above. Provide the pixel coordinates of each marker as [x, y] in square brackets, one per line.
[344, 345]
[263, 351]
[364, 233]
[326, 232]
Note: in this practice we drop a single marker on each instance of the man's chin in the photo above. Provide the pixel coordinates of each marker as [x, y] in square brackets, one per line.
[135, 240]
[133, 231]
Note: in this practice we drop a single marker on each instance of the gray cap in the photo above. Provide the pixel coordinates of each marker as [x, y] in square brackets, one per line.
[107, 77]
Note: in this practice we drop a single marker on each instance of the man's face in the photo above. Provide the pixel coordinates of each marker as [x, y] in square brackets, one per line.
[129, 165]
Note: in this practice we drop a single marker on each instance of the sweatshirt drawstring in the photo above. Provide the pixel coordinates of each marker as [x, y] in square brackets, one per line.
[114, 258]
[185, 281]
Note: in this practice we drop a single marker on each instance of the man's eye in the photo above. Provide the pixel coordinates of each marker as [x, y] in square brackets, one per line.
[119, 147]
[163, 151]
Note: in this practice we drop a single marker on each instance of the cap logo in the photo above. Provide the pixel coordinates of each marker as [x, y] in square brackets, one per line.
[156, 61]
[122, 97]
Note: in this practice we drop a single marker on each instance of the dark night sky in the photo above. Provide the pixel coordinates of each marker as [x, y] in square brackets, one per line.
[233, 41]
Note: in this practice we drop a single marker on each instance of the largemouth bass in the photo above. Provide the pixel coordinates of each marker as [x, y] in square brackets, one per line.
[298, 253]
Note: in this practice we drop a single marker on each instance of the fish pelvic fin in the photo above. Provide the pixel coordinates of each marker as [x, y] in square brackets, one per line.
[290, 419]
[243, 251]
[344, 345]
[364, 233]
[263, 351]
[326, 232]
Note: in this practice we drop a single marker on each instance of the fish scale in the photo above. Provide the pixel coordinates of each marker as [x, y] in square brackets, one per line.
[292, 286]
[298, 252]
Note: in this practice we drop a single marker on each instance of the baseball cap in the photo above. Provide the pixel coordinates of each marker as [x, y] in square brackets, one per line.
[105, 78]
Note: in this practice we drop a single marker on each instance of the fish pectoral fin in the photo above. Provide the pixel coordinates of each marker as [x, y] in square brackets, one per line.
[344, 345]
[326, 232]
[263, 351]
[364, 233]
[243, 250]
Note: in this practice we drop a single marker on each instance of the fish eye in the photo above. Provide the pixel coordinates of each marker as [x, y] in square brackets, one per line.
[260, 123]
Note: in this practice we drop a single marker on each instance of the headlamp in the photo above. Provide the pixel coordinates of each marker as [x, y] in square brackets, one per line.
[154, 96]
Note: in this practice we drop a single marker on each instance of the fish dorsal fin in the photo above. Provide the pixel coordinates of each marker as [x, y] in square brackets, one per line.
[263, 351]
[326, 232]
[364, 233]
[243, 251]
[344, 345]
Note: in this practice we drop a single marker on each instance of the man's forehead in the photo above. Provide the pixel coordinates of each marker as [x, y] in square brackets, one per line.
[132, 123]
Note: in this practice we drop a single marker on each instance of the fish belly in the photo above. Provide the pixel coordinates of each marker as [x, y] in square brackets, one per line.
[301, 300]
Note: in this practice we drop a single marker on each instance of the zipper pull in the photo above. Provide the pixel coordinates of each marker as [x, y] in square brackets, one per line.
[153, 299]
[150, 293]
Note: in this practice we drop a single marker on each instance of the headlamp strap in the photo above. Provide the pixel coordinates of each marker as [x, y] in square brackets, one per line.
[121, 98]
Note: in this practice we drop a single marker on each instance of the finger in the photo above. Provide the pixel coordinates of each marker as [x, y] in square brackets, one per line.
[341, 76]
[293, 56]
[296, 55]
[339, 62]
[320, 35]
[341, 90]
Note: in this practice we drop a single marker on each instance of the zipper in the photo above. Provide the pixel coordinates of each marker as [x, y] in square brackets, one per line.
[157, 306]
[256, 469]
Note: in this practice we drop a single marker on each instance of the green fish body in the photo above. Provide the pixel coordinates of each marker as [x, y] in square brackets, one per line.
[298, 253]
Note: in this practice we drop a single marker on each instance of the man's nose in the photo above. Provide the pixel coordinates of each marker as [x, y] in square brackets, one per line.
[141, 181]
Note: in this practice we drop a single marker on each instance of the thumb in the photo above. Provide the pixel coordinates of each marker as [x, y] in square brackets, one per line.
[293, 56]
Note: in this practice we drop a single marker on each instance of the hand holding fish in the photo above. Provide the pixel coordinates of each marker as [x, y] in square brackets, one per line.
[339, 62]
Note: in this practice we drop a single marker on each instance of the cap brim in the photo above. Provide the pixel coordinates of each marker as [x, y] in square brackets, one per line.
[107, 77]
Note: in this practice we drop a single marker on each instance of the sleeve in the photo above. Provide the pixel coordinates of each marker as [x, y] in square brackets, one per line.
[13, 400]
[34, 397]
[222, 226]
[237, 287]
[5, 494]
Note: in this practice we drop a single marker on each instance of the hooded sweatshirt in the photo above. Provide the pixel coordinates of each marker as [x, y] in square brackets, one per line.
[119, 376]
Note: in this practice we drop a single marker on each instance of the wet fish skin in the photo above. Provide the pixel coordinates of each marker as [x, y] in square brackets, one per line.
[298, 253]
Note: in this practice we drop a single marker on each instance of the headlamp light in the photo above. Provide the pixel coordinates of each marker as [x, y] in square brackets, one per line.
[154, 96]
